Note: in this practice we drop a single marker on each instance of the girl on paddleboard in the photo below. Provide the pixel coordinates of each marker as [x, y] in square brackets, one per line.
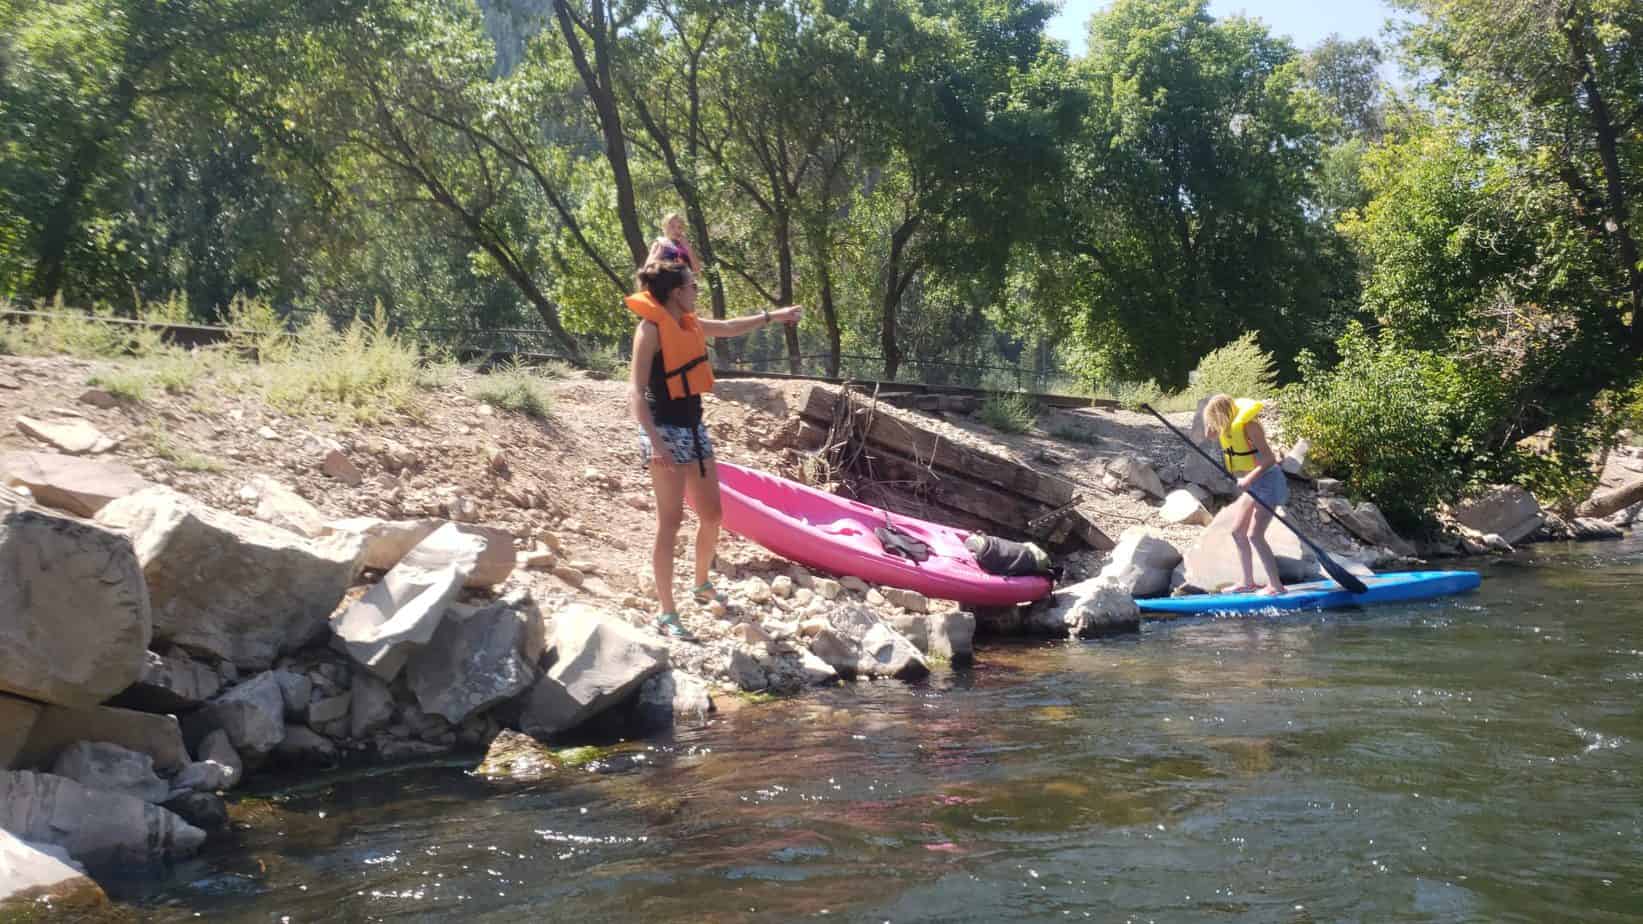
[670, 373]
[1250, 459]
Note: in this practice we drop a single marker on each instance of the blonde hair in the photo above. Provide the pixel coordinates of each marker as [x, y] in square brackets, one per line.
[669, 219]
[1217, 414]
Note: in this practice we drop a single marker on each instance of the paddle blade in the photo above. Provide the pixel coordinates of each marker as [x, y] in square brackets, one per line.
[1340, 575]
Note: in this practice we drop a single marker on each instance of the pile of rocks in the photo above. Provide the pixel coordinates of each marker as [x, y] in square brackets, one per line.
[154, 650]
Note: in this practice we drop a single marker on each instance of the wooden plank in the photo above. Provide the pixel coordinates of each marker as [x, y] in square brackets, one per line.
[974, 505]
[967, 462]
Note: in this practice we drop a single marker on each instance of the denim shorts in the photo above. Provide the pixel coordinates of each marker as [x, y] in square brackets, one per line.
[687, 444]
[1272, 487]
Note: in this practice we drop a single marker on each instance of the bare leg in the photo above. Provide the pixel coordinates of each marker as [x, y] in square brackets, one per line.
[1240, 540]
[704, 497]
[668, 480]
[1257, 538]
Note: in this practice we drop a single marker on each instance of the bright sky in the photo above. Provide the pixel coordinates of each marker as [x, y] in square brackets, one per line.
[1305, 21]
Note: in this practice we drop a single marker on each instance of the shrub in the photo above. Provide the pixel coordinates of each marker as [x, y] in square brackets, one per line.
[513, 388]
[360, 373]
[161, 444]
[1008, 413]
[1240, 369]
[1406, 428]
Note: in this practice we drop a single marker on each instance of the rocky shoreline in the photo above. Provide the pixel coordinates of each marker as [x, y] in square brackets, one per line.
[155, 650]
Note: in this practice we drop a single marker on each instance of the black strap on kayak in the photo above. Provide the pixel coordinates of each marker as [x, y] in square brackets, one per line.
[898, 541]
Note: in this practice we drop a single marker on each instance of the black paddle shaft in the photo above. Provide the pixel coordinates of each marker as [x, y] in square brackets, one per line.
[1339, 574]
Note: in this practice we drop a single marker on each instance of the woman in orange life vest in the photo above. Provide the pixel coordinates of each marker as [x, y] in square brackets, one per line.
[671, 371]
[1250, 459]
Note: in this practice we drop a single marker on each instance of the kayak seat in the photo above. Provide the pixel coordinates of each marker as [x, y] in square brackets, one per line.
[843, 526]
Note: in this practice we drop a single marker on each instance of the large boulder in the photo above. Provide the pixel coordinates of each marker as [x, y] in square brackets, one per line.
[235, 588]
[670, 697]
[517, 758]
[1089, 609]
[58, 727]
[95, 827]
[41, 876]
[371, 705]
[74, 609]
[1367, 523]
[597, 660]
[280, 506]
[1184, 506]
[401, 614]
[101, 765]
[387, 542]
[1508, 511]
[1137, 474]
[1212, 562]
[886, 653]
[1142, 561]
[477, 660]
[17, 718]
[170, 683]
[948, 634]
[252, 714]
[68, 483]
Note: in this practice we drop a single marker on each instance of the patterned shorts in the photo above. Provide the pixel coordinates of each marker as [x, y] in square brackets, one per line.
[687, 444]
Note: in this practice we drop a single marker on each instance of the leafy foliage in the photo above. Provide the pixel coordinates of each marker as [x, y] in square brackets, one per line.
[1008, 413]
[514, 388]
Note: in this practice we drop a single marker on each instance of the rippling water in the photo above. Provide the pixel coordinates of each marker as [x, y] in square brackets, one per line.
[1463, 760]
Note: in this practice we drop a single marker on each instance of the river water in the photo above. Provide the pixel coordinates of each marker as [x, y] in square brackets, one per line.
[1471, 759]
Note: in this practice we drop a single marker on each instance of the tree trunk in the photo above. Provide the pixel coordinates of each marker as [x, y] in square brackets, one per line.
[784, 292]
[895, 284]
[601, 90]
[830, 314]
[1614, 183]
[1604, 503]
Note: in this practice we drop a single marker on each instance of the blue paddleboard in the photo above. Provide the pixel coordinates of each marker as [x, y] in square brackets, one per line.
[1317, 595]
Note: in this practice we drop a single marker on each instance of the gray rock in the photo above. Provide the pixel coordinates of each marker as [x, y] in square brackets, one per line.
[295, 690]
[57, 727]
[305, 747]
[1507, 510]
[1365, 522]
[828, 588]
[68, 483]
[17, 720]
[280, 506]
[813, 671]
[238, 589]
[1088, 609]
[94, 826]
[74, 608]
[1137, 474]
[1294, 461]
[597, 661]
[170, 683]
[323, 711]
[746, 670]
[35, 877]
[387, 542]
[952, 636]
[205, 776]
[105, 766]
[401, 614]
[216, 748]
[909, 600]
[476, 662]
[885, 653]
[1142, 562]
[252, 714]
[836, 650]
[1185, 506]
[1212, 561]
[203, 810]
[373, 705]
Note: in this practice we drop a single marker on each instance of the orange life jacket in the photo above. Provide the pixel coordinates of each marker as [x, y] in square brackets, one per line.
[684, 347]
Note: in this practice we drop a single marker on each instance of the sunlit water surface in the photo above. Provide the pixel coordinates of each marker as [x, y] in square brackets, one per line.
[1470, 759]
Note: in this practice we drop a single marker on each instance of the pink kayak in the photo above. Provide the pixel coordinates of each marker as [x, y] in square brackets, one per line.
[835, 534]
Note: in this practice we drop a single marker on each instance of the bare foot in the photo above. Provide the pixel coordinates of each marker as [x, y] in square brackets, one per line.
[1272, 590]
[1239, 589]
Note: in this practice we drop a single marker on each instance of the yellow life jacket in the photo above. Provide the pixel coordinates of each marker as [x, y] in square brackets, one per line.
[684, 347]
[1235, 449]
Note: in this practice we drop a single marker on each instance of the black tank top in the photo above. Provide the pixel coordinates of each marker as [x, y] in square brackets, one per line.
[664, 409]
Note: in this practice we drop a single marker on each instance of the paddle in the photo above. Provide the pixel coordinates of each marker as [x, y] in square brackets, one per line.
[1331, 567]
